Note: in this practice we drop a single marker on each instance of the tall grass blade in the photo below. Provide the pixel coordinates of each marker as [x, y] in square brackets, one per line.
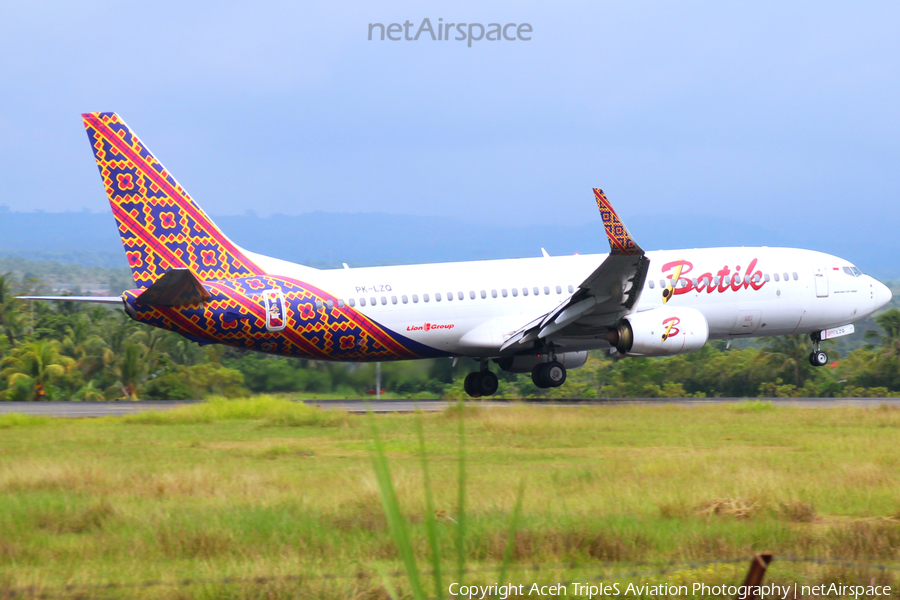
[431, 528]
[513, 527]
[392, 511]
[388, 584]
[461, 499]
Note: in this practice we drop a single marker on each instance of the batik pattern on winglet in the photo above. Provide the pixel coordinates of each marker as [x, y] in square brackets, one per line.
[620, 241]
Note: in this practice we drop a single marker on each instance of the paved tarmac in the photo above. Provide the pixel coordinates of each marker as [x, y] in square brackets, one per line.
[108, 409]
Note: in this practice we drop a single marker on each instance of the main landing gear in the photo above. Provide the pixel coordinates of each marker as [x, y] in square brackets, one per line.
[550, 374]
[481, 383]
[818, 357]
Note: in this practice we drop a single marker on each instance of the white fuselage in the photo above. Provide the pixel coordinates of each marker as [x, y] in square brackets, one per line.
[790, 291]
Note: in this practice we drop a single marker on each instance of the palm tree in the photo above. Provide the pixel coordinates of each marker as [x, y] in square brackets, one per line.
[889, 322]
[38, 361]
[131, 369]
[790, 353]
[82, 344]
[10, 313]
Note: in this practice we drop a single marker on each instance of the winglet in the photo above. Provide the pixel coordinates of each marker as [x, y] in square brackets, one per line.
[620, 241]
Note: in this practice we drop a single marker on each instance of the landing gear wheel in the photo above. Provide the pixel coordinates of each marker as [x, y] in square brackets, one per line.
[554, 374]
[469, 384]
[537, 376]
[818, 358]
[486, 383]
[481, 383]
[548, 375]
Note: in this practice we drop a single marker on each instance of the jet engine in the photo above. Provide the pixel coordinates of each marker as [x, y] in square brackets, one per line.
[525, 364]
[662, 331]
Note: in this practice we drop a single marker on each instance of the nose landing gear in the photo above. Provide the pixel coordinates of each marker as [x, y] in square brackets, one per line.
[481, 383]
[818, 357]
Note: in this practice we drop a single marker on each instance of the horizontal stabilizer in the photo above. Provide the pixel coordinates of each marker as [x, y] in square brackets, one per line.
[97, 299]
[178, 287]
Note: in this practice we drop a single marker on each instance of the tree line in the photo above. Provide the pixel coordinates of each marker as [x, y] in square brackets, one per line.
[73, 351]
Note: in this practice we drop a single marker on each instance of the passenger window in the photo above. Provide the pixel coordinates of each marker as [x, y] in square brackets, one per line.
[340, 304]
[785, 276]
[716, 281]
[662, 283]
[737, 279]
[318, 305]
[652, 285]
[449, 296]
[383, 300]
[393, 299]
[524, 291]
[373, 301]
[571, 289]
[460, 295]
[415, 298]
[483, 294]
[796, 277]
[515, 292]
[493, 293]
[503, 292]
[546, 290]
[726, 280]
[404, 299]
[362, 301]
[559, 289]
[471, 294]
[424, 297]
[694, 281]
[437, 297]
[777, 278]
[352, 302]
[767, 278]
[536, 291]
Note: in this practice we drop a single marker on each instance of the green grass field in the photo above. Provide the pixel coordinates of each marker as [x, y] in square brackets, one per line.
[268, 488]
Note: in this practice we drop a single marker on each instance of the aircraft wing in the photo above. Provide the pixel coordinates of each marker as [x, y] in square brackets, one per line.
[608, 294]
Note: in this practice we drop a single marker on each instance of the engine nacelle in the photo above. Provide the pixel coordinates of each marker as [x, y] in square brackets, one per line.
[524, 364]
[662, 331]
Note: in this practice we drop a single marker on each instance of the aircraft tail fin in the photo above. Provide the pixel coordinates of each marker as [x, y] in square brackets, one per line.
[161, 227]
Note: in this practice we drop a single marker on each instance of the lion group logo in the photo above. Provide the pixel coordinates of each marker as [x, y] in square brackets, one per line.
[430, 326]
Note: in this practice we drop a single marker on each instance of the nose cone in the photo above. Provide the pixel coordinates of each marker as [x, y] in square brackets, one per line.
[883, 294]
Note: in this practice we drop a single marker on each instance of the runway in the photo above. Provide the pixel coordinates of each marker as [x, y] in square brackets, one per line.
[360, 406]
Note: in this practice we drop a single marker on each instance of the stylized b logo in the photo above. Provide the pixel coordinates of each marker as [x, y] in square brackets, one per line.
[671, 329]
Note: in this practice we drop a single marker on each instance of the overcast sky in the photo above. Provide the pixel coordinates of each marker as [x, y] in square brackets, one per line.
[764, 112]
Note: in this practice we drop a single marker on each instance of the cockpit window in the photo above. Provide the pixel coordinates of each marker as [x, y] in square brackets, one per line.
[849, 272]
[856, 271]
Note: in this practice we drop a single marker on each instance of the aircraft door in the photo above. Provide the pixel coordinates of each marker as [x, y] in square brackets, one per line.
[276, 318]
[820, 274]
[747, 322]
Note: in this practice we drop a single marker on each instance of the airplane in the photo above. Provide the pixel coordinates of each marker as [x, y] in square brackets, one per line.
[540, 315]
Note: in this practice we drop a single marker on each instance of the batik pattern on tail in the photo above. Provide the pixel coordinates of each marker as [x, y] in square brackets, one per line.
[309, 323]
[620, 241]
[160, 225]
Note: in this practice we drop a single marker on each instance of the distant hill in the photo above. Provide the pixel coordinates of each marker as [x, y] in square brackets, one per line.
[328, 239]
